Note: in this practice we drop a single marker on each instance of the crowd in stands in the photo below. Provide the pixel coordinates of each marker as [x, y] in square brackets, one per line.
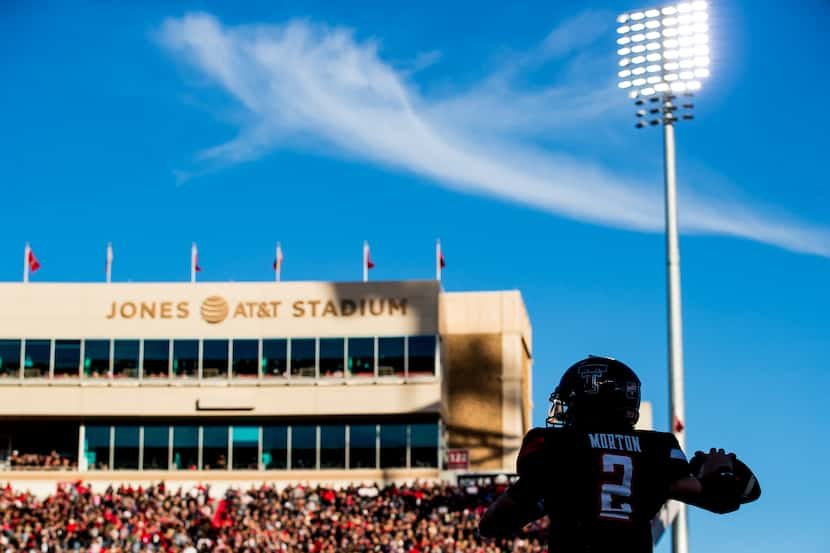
[39, 461]
[422, 518]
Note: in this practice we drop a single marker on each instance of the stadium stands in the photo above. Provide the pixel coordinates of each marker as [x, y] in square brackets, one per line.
[408, 519]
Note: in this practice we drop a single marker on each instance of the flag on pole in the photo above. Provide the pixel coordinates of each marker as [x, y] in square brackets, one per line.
[367, 261]
[439, 260]
[109, 262]
[278, 258]
[34, 264]
[194, 263]
[30, 262]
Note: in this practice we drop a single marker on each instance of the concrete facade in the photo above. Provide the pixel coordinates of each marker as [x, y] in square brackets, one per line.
[479, 392]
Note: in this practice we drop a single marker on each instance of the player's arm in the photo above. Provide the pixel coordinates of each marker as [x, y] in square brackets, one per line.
[521, 503]
[692, 491]
[510, 512]
[713, 484]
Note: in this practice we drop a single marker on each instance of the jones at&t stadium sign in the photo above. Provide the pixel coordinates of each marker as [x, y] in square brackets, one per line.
[217, 309]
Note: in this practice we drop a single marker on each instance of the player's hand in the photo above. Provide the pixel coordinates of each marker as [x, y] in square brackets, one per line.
[717, 461]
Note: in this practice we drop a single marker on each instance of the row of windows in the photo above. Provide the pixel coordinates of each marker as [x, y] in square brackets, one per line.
[306, 358]
[294, 447]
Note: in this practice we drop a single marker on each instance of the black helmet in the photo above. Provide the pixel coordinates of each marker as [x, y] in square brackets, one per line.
[597, 392]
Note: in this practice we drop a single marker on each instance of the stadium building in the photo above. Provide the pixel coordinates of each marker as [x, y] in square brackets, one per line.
[301, 381]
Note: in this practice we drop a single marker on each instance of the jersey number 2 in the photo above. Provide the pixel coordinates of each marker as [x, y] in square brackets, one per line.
[611, 504]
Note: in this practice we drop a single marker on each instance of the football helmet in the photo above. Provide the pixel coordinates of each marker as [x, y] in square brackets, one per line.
[597, 392]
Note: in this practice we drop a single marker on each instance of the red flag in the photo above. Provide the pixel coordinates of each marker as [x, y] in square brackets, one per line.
[34, 264]
[678, 425]
[441, 260]
[194, 262]
[367, 261]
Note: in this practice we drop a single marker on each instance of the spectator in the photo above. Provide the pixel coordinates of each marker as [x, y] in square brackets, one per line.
[28, 461]
[424, 518]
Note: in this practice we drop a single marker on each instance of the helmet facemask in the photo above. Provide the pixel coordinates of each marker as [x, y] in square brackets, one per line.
[557, 412]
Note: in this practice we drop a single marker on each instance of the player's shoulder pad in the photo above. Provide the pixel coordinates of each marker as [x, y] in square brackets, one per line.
[534, 440]
[667, 439]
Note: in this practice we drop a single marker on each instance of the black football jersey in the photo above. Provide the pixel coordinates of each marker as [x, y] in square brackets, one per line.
[601, 489]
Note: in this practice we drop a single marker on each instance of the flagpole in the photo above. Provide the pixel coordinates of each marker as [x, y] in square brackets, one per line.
[26, 251]
[109, 262]
[438, 260]
[278, 261]
[193, 257]
[365, 261]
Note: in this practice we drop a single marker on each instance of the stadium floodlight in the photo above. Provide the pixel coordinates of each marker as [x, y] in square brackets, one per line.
[664, 52]
[679, 32]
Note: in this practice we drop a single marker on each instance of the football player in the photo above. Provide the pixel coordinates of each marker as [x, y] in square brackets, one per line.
[601, 481]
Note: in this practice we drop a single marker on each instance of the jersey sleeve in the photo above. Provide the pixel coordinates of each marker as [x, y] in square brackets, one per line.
[675, 464]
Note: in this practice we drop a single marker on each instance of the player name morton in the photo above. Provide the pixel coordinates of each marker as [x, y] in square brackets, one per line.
[621, 442]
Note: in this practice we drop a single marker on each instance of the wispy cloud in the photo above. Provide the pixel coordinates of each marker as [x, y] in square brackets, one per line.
[302, 84]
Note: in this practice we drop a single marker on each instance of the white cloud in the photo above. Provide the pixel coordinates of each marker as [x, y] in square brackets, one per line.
[576, 33]
[303, 84]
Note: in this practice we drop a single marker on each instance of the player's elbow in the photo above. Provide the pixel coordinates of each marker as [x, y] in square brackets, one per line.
[498, 520]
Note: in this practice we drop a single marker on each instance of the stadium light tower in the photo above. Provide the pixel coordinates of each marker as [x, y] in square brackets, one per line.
[664, 54]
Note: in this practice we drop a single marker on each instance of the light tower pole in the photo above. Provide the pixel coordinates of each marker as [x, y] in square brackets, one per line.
[664, 52]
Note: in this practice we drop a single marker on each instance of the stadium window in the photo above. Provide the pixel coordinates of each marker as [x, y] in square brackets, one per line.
[303, 358]
[125, 447]
[156, 359]
[50, 444]
[332, 353]
[97, 447]
[96, 358]
[274, 358]
[215, 448]
[156, 448]
[423, 445]
[186, 447]
[245, 447]
[392, 446]
[67, 359]
[303, 447]
[245, 358]
[215, 359]
[185, 358]
[36, 358]
[10, 358]
[274, 447]
[363, 446]
[125, 363]
[362, 357]
[391, 357]
[421, 355]
[333, 446]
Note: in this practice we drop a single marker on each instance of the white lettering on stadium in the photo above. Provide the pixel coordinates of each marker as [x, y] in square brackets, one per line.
[621, 442]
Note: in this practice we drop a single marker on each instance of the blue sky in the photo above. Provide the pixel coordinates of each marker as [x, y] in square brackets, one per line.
[496, 127]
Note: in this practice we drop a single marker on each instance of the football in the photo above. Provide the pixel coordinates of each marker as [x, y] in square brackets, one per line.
[750, 488]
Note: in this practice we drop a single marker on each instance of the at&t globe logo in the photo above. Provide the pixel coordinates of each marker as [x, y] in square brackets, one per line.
[214, 309]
